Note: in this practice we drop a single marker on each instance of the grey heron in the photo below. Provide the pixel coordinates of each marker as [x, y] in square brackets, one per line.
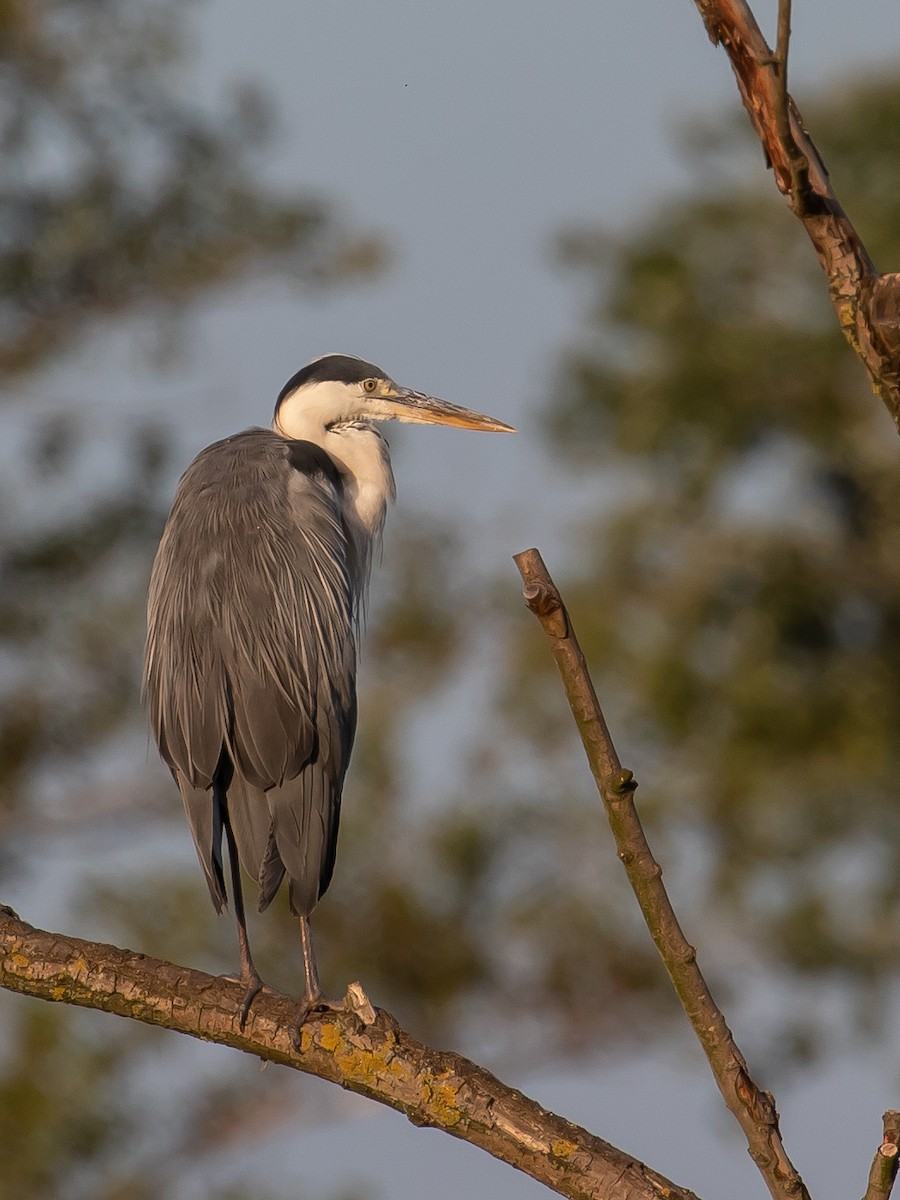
[252, 624]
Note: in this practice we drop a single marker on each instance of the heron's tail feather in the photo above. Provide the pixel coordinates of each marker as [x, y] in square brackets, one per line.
[204, 813]
[251, 823]
[271, 872]
[305, 813]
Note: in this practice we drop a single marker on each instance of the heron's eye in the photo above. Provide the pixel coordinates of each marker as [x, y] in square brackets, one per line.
[369, 385]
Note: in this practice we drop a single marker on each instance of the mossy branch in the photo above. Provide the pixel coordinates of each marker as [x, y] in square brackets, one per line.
[362, 1049]
[754, 1109]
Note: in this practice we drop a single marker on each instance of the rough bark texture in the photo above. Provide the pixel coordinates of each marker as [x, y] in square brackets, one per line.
[363, 1050]
[753, 1109]
[867, 303]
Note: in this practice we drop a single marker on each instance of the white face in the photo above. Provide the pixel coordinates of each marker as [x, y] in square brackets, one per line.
[319, 406]
[315, 408]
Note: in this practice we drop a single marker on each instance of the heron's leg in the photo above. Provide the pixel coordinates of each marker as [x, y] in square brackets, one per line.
[313, 989]
[312, 999]
[249, 975]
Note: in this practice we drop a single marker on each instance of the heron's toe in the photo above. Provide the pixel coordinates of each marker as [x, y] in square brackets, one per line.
[311, 1006]
[253, 985]
[251, 992]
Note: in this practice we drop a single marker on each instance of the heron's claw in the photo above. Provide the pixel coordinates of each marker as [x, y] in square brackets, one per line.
[253, 985]
[252, 991]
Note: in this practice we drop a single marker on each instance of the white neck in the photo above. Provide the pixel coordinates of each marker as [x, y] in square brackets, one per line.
[361, 455]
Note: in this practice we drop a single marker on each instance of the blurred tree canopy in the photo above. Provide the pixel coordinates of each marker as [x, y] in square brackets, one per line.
[116, 193]
[736, 588]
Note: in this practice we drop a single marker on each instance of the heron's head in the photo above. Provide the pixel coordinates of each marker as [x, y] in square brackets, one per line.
[339, 390]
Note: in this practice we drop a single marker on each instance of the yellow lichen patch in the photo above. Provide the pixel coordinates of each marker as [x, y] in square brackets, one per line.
[442, 1097]
[562, 1148]
[361, 1064]
[59, 992]
[330, 1037]
[20, 961]
[446, 1100]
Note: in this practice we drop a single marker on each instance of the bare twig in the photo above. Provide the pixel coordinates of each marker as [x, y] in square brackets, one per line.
[798, 163]
[754, 1109]
[363, 1050]
[884, 1165]
[867, 304]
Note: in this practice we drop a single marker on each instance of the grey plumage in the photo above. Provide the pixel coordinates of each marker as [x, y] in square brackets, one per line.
[250, 667]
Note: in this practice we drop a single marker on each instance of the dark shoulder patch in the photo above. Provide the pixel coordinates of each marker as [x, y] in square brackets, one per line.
[311, 460]
[343, 368]
[251, 445]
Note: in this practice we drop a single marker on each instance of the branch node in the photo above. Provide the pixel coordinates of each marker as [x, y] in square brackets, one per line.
[622, 783]
[545, 602]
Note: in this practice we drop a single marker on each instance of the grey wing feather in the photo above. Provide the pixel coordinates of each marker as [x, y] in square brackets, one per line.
[306, 812]
[251, 648]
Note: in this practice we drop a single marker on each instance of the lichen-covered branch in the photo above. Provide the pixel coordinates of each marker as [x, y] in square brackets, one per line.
[754, 1109]
[363, 1050]
[867, 303]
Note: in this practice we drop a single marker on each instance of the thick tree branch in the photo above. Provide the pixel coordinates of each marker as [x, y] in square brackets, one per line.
[363, 1050]
[867, 303]
[754, 1109]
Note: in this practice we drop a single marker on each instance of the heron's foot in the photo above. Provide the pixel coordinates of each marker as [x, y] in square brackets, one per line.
[253, 985]
[310, 1006]
[252, 990]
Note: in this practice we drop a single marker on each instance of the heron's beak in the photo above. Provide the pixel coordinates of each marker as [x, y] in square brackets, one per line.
[418, 409]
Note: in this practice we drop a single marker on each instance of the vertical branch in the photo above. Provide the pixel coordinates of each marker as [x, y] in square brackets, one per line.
[884, 1165]
[754, 1109]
